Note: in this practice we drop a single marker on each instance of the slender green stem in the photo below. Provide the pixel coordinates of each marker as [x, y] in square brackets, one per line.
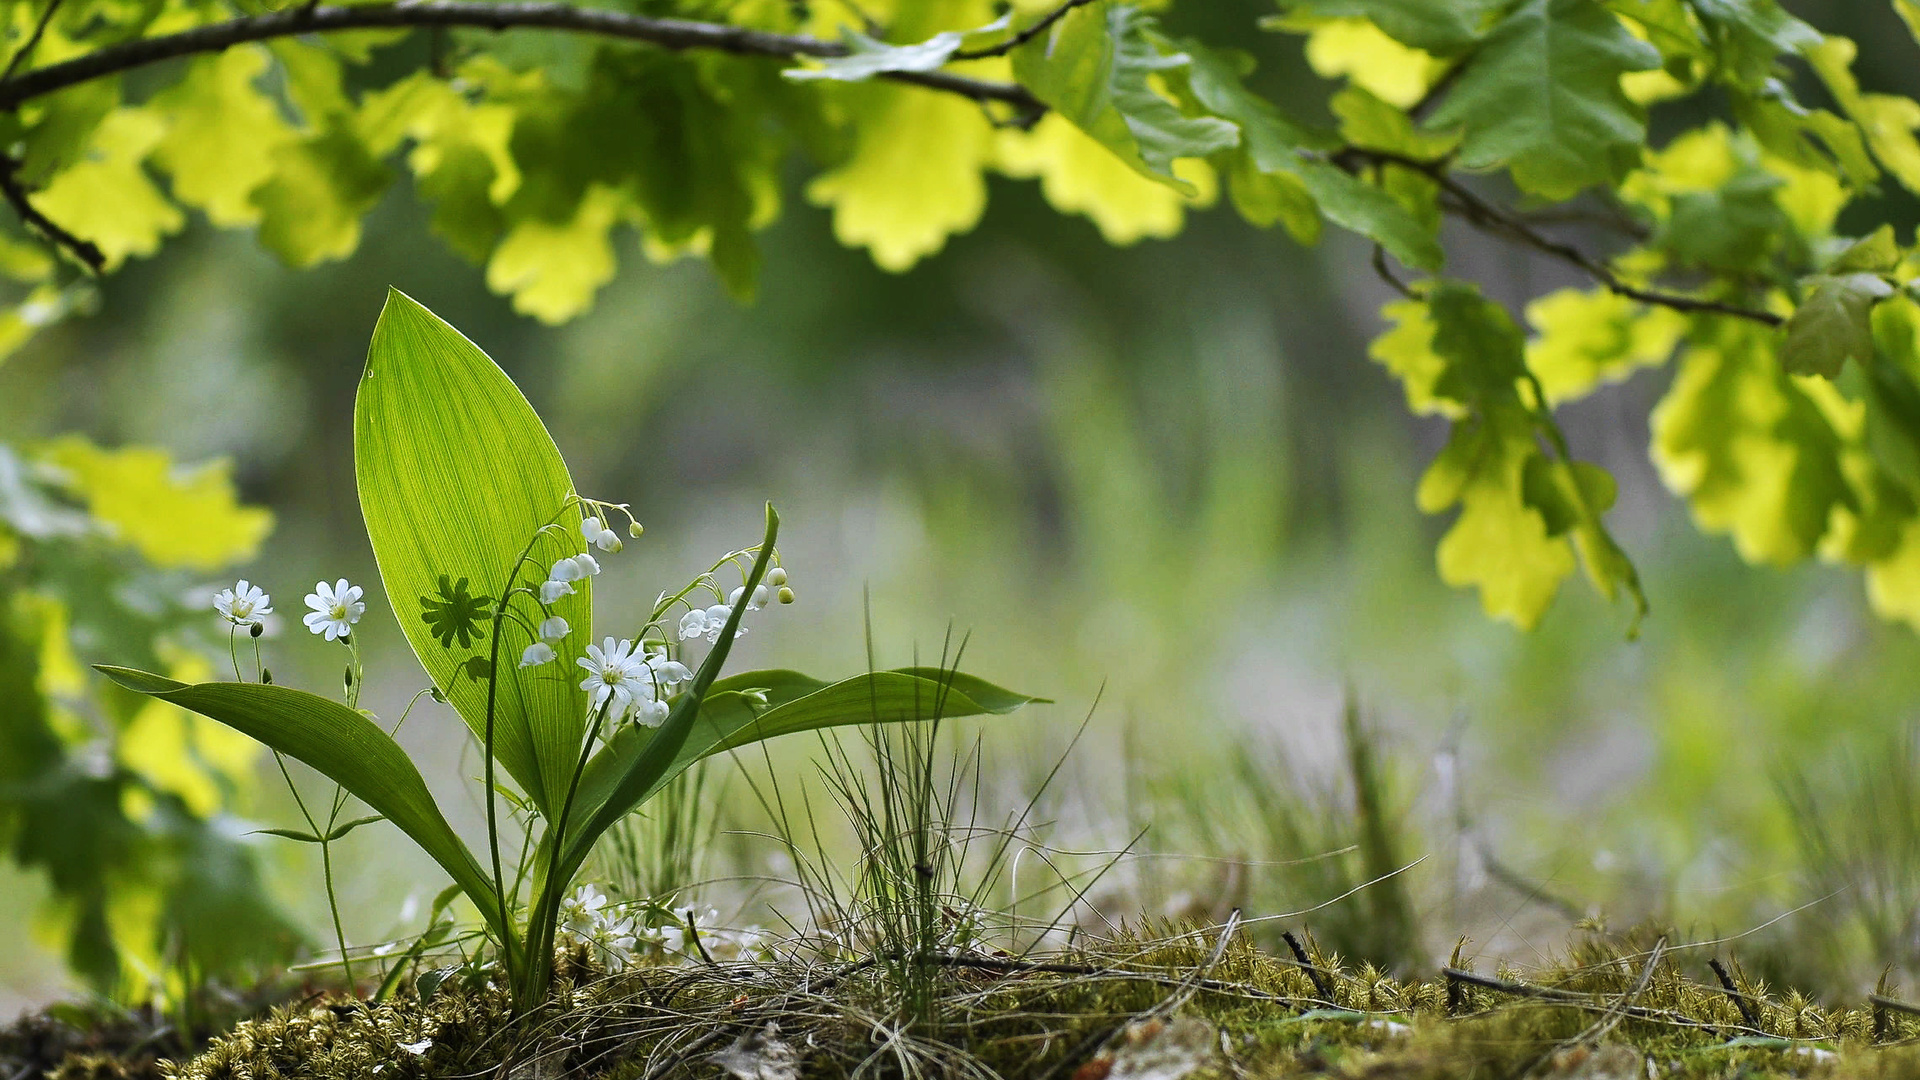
[326, 861]
[493, 696]
[233, 652]
[543, 924]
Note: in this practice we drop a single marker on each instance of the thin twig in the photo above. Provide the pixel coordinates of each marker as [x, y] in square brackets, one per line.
[1483, 214]
[1306, 962]
[677, 34]
[16, 195]
[1386, 273]
[1739, 999]
[1023, 36]
[32, 42]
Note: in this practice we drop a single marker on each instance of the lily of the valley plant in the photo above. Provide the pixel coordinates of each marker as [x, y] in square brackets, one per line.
[485, 550]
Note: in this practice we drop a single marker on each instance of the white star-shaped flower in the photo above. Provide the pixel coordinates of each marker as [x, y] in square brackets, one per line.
[616, 676]
[244, 604]
[336, 608]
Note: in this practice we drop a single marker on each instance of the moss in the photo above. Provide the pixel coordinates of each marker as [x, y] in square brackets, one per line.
[1611, 1010]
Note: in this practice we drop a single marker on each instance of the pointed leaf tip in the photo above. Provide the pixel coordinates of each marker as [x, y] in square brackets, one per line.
[140, 682]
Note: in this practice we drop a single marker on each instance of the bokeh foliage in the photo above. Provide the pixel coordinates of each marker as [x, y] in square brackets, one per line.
[125, 804]
[1718, 239]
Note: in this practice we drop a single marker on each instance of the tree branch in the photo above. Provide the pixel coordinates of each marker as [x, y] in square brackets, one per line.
[1462, 201]
[16, 196]
[676, 34]
[1023, 36]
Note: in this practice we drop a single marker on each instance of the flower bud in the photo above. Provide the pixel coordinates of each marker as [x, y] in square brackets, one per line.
[785, 594]
[349, 678]
[777, 576]
[634, 530]
[266, 676]
[257, 630]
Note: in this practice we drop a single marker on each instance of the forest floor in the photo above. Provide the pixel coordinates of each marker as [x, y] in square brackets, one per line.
[1204, 1005]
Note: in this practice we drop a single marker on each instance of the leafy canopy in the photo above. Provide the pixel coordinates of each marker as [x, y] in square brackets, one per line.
[1787, 423]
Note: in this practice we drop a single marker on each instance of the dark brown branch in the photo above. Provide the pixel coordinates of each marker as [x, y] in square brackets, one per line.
[1733, 992]
[1463, 202]
[1023, 36]
[676, 34]
[32, 42]
[16, 195]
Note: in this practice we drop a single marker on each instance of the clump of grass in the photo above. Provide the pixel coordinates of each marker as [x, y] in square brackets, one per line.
[1289, 843]
[1856, 821]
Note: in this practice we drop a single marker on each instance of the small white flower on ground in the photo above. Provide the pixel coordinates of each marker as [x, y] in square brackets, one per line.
[537, 653]
[417, 1048]
[596, 533]
[666, 669]
[566, 570]
[579, 911]
[616, 674]
[554, 590]
[613, 939]
[336, 608]
[554, 629]
[759, 597]
[650, 713]
[244, 604]
[674, 938]
[586, 565]
[693, 624]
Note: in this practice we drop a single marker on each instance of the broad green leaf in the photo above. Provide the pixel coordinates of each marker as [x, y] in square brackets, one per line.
[1080, 176]
[1274, 144]
[553, 270]
[1499, 543]
[1093, 68]
[1877, 253]
[1748, 448]
[1372, 124]
[1888, 121]
[1481, 344]
[460, 159]
[341, 744]
[222, 132]
[1370, 60]
[1355, 205]
[747, 708]
[914, 176]
[1423, 24]
[322, 186]
[457, 477]
[1265, 199]
[1593, 337]
[1751, 36]
[1407, 352]
[107, 198]
[1833, 324]
[174, 516]
[1541, 97]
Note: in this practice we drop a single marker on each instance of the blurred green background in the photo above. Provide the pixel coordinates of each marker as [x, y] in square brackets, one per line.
[1163, 476]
